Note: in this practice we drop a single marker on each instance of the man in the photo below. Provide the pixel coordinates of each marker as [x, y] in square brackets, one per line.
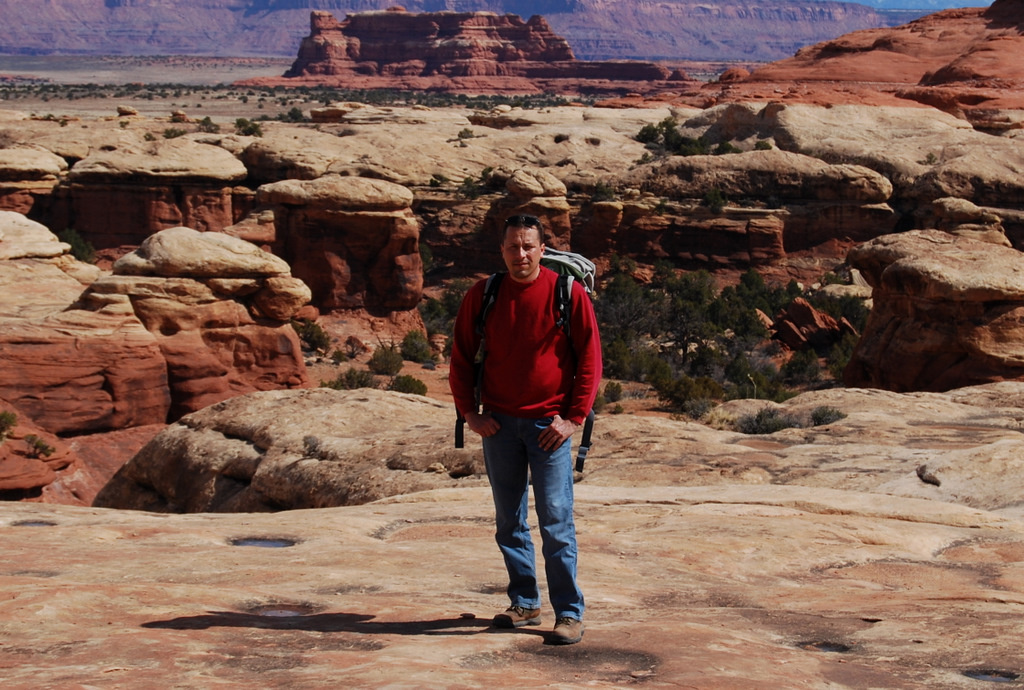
[536, 388]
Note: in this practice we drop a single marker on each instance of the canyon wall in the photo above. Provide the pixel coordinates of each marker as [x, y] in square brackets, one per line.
[596, 29]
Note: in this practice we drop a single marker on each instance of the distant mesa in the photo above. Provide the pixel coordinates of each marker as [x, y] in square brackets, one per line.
[457, 52]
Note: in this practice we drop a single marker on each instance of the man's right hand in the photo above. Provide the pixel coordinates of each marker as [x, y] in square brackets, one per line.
[483, 424]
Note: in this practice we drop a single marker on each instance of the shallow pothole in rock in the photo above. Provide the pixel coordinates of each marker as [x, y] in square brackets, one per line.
[34, 523]
[283, 610]
[824, 646]
[992, 675]
[265, 542]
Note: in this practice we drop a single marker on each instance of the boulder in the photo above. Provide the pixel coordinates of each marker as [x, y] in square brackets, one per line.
[801, 327]
[291, 449]
[946, 313]
[21, 238]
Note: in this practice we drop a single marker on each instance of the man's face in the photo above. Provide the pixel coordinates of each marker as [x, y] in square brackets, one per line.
[521, 250]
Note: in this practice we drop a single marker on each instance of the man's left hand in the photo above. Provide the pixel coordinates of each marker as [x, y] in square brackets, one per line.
[555, 434]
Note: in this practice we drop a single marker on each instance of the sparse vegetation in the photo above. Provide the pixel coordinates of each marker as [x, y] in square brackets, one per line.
[37, 447]
[766, 421]
[350, 379]
[408, 384]
[81, 249]
[312, 335]
[7, 422]
[820, 416]
[715, 200]
[248, 128]
[386, 360]
[416, 348]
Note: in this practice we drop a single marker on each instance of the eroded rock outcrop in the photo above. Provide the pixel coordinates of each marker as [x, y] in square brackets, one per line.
[353, 240]
[188, 320]
[69, 369]
[947, 312]
[964, 61]
[121, 195]
[801, 202]
[26, 174]
[218, 309]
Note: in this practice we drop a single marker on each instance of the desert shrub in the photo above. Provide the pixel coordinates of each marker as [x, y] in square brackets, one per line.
[408, 384]
[439, 314]
[416, 347]
[613, 391]
[603, 192]
[726, 147]
[81, 249]
[312, 335]
[350, 379]
[208, 126]
[683, 393]
[465, 133]
[7, 422]
[767, 421]
[37, 447]
[469, 189]
[698, 408]
[174, 133]
[802, 368]
[763, 145]
[715, 200]
[824, 414]
[386, 360]
[247, 128]
[426, 257]
[840, 354]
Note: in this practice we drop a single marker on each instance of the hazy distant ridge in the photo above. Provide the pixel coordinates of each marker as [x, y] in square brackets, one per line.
[596, 29]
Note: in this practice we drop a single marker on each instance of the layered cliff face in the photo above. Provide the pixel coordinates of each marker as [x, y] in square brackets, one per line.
[451, 51]
[597, 29]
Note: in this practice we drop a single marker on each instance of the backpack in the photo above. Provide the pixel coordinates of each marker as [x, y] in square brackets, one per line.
[570, 267]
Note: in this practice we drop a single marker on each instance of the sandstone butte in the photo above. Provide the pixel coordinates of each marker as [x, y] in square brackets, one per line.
[453, 51]
[880, 550]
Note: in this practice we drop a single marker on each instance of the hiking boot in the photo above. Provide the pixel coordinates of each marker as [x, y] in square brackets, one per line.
[517, 617]
[567, 631]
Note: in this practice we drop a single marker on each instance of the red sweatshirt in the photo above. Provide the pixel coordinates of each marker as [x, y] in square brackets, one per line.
[531, 370]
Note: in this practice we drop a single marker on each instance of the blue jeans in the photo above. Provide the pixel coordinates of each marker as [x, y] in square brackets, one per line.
[513, 458]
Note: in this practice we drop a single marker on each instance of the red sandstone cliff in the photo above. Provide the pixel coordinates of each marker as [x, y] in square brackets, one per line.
[453, 51]
[597, 29]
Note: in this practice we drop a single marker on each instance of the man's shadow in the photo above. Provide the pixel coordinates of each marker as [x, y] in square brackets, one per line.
[330, 622]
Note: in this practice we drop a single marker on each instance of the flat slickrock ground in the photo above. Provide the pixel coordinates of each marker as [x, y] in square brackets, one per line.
[758, 586]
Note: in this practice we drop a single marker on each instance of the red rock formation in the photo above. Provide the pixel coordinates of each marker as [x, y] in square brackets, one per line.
[973, 53]
[29, 456]
[157, 185]
[453, 51]
[801, 326]
[353, 240]
[947, 313]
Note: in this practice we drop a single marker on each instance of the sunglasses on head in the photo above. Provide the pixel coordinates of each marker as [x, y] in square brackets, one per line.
[522, 221]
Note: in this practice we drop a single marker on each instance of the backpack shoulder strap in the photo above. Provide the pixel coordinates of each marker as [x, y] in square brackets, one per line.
[490, 294]
[563, 302]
